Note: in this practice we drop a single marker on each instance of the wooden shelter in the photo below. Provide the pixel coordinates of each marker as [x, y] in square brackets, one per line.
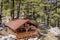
[22, 28]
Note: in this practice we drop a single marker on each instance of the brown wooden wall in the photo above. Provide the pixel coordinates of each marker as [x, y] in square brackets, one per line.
[10, 31]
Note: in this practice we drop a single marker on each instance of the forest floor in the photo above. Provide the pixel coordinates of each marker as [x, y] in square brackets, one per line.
[50, 36]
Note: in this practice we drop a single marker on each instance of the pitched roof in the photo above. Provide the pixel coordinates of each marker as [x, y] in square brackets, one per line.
[15, 24]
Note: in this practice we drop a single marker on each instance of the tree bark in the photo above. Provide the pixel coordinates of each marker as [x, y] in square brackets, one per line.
[12, 9]
[0, 13]
[18, 8]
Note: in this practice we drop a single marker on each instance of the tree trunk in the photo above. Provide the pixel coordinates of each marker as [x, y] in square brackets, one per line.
[0, 13]
[18, 8]
[12, 9]
[58, 22]
[48, 21]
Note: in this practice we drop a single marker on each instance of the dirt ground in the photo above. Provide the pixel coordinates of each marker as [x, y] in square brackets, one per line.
[50, 36]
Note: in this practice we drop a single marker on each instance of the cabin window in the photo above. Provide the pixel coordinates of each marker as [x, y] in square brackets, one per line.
[32, 28]
[22, 29]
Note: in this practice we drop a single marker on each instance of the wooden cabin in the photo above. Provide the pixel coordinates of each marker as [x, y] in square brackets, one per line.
[22, 28]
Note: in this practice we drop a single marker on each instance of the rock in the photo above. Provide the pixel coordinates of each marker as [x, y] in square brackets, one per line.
[33, 39]
[9, 37]
[55, 31]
